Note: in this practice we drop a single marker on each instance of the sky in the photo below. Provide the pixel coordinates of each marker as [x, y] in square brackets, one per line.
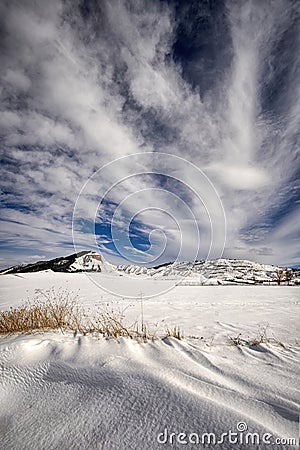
[150, 131]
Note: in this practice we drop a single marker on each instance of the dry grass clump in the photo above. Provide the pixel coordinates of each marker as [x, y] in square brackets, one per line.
[110, 324]
[236, 340]
[262, 337]
[49, 311]
[59, 310]
[175, 332]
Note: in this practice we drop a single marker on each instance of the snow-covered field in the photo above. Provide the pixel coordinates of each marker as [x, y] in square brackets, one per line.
[64, 392]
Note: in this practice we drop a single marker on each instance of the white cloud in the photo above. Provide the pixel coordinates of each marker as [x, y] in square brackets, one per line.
[78, 93]
[240, 176]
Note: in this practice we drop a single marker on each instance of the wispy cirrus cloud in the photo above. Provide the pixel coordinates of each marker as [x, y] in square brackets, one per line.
[86, 82]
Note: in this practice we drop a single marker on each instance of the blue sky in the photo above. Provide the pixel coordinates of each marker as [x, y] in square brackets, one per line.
[95, 94]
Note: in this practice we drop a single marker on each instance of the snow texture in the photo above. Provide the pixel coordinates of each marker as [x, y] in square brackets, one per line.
[60, 391]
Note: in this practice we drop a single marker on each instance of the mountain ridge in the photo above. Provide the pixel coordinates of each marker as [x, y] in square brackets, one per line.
[211, 272]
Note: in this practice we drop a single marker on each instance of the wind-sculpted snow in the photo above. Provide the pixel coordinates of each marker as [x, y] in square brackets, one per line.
[69, 391]
[84, 393]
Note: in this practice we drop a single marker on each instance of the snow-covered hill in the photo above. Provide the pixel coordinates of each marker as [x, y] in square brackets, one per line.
[214, 272]
[84, 261]
[220, 271]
